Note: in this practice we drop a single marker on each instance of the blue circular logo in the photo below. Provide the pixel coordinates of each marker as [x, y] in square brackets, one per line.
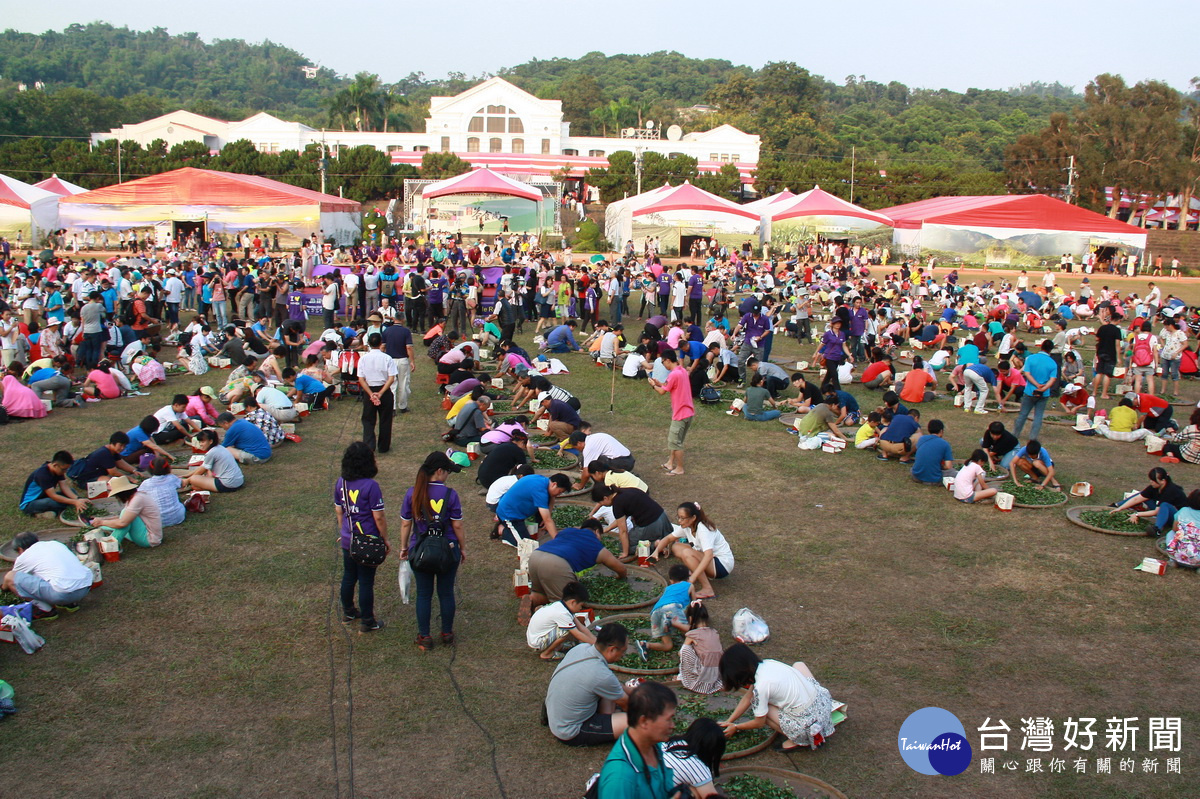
[933, 741]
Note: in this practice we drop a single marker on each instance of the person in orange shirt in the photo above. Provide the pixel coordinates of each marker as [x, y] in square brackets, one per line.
[915, 382]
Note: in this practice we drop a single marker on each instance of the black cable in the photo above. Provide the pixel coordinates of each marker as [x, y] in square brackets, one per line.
[467, 711]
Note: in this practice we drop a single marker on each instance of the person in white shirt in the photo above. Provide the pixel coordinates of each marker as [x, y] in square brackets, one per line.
[377, 374]
[48, 574]
[635, 364]
[173, 296]
[601, 445]
[555, 623]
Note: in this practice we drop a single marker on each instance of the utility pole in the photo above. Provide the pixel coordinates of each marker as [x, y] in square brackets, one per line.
[853, 153]
[119, 159]
[1071, 181]
[637, 162]
[322, 161]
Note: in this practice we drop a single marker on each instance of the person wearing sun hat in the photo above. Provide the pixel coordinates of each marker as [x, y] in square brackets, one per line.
[430, 502]
[140, 519]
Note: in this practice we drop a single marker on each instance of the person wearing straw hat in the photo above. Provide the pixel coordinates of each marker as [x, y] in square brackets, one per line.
[140, 519]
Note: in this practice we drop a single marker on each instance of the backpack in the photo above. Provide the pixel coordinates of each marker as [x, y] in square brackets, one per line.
[1142, 355]
[709, 395]
[434, 553]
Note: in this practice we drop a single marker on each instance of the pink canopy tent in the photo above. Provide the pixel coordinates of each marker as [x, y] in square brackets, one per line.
[678, 215]
[481, 181]
[820, 203]
[57, 185]
[764, 204]
[689, 198]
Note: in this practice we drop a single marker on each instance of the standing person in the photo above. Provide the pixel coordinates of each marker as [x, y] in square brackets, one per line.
[358, 504]
[329, 300]
[376, 376]
[1174, 338]
[835, 351]
[755, 324]
[582, 703]
[398, 344]
[91, 318]
[1108, 336]
[1040, 373]
[432, 507]
[683, 410]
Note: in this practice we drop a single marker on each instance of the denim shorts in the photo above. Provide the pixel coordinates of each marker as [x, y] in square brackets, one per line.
[1170, 368]
[661, 619]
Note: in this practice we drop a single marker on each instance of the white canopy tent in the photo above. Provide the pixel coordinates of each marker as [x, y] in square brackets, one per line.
[676, 215]
[27, 213]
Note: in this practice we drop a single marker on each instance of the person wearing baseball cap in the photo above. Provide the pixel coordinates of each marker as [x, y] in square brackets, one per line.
[432, 506]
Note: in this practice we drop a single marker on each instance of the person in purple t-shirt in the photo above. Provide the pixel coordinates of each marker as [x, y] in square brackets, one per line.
[429, 502]
[835, 351]
[358, 503]
[858, 328]
[664, 293]
[755, 325]
[695, 298]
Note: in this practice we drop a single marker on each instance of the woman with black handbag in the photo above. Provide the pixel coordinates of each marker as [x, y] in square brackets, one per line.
[358, 502]
[431, 541]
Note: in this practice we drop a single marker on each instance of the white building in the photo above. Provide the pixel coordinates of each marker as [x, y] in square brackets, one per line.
[493, 124]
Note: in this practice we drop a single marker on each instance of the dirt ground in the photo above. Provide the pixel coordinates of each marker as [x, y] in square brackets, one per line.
[216, 666]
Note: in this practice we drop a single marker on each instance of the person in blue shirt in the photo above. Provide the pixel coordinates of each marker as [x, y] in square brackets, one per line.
[244, 440]
[1035, 461]
[54, 304]
[308, 389]
[529, 496]
[141, 441]
[849, 405]
[669, 612]
[900, 436]
[109, 296]
[933, 457]
[968, 354]
[562, 338]
[1041, 375]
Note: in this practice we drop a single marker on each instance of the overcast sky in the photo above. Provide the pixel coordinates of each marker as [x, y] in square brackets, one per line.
[928, 44]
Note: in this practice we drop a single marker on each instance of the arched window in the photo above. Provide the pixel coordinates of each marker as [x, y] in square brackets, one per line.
[495, 119]
[495, 145]
[518, 145]
[473, 144]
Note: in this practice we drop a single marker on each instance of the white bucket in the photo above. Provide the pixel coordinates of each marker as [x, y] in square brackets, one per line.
[497, 382]
[958, 400]
[48, 405]
[543, 425]
[737, 404]
[485, 355]
[1004, 501]
[1154, 444]
[801, 366]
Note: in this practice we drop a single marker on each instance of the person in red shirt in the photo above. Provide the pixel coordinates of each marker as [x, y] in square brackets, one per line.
[914, 390]
[879, 373]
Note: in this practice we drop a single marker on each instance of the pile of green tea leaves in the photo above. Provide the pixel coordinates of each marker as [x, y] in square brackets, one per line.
[1117, 522]
[639, 630]
[549, 459]
[748, 786]
[604, 589]
[9, 598]
[1028, 495]
[698, 707]
[71, 514]
[569, 516]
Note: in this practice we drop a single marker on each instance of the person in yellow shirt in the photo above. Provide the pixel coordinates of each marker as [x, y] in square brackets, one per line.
[868, 434]
[1122, 423]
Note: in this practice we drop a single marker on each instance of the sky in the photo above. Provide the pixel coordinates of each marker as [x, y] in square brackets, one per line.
[932, 44]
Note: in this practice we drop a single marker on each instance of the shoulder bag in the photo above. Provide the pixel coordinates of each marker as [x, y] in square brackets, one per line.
[366, 549]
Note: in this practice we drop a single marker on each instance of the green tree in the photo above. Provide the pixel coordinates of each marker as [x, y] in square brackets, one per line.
[442, 165]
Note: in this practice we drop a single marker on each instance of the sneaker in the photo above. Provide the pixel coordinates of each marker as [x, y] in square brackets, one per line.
[349, 615]
[447, 639]
[71, 608]
[371, 626]
[641, 650]
[424, 643]
[981, 412]
[44, 615]
[92, 399]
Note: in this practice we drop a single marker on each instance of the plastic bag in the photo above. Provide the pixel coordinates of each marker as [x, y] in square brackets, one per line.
[26, 637]
[749, 627]
[406, 581]
[7, 699]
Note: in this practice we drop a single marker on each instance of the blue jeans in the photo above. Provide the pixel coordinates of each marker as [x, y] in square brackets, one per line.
[30, 586]
[1038, 406]
[364, 576]
[42, 505]
[1165, 516]
[765, 416]
[445, 592]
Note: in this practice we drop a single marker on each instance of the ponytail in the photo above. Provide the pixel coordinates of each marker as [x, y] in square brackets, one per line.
[420, 495]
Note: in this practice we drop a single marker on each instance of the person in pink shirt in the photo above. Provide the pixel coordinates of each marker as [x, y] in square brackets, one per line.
[101, 384]
[200, 405]
[676, 334]
[682, 409]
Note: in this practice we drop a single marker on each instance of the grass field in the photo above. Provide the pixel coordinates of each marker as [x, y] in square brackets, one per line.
[216, 666]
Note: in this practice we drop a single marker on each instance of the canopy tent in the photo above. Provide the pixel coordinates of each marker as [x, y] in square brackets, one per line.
[677, 215]
[214, 202]
[483, 201]
[1007, 229]
[817, 213]
[27, 213]
[763, 204]
[58, 186]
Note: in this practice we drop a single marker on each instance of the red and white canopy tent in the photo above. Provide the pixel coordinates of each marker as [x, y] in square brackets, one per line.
[1007, 228]
[27, 213]
[481, 201]
[817, 212]
[57, 185]
[221, 202]
[764, 203]
[676, 215]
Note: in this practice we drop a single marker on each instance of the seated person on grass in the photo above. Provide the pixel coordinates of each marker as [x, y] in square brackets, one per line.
[48, 574]
[757, 397]
[668, 612]
[104, 462]
[602, 470]
[307, 389]
[650, 522]
[823, 418]
[1035, 461]
[933, 458]
[900, 437]
[701, 546]
[173, 423]
[809, 393]
[244, 440]
[879, 373]
[913, 390]
[1122, 423]
[1000, 446]
[141, 441]
[867, 436]
[970, 484]
[553, 624]
[48, 491]
[140, 519]
[584, 694]
[219, 472]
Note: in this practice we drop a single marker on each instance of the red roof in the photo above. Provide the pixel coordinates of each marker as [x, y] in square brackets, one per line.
[191, 186]
[819, 202]
[481, 181]
[57, 185]
[689, 198]
[1020, 212]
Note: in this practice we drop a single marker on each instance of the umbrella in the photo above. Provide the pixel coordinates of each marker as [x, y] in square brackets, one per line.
[46, 256]
[1032, 299]
[597, 258]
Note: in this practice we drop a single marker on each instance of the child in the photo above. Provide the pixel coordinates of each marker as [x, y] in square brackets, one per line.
[668, 612]
[700, 655]
[304, 388]
[868, 435]
[969, 483]
[552, 624]
[1035, 461]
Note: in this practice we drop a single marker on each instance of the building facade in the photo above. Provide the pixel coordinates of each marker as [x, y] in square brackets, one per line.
[493, 124]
